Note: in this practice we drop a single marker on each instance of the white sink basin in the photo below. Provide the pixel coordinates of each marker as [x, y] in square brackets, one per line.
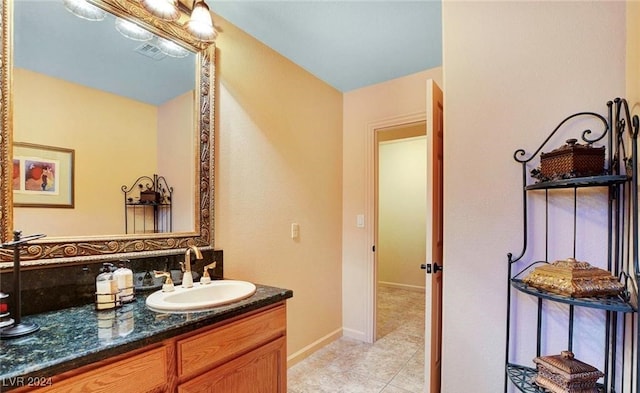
[200, 297]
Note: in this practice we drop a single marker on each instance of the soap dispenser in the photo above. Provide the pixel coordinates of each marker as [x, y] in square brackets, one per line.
[106, 289]
[124, 278]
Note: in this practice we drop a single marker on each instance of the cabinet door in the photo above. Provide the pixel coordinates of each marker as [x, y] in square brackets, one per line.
[262, 370]
[144, 372]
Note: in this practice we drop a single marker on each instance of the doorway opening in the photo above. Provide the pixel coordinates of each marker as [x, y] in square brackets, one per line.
[400, 229]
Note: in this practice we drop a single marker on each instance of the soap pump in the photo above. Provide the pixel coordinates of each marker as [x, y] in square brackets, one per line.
[106, 289]
[124, 278]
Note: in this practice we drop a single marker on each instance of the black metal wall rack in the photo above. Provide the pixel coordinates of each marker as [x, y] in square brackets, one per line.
[147, 205]
[620, 346]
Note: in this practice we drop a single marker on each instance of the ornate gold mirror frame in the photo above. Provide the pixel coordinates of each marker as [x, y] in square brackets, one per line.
[72, 249]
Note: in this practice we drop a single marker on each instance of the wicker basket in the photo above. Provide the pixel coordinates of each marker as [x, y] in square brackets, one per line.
[572, 160]
[573, 278]
[148, 196]
[565, 374]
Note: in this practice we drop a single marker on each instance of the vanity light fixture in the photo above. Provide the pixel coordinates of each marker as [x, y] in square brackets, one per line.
[132, 30]
[83, 9]
[200, 25]
[171, 49]
[163, 9]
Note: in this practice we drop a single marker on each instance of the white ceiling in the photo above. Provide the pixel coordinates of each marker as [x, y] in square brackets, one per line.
[347, 44]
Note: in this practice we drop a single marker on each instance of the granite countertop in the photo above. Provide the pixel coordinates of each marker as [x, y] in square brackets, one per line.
[73, 337]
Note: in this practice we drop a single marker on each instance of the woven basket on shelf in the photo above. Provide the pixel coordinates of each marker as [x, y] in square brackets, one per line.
[572, 160]
[574, 278]
[565, 374]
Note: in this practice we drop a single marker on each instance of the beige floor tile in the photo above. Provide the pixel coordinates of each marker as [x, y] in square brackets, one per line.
[411, 377]
[393, 364]
[323, 381]
[393, 389]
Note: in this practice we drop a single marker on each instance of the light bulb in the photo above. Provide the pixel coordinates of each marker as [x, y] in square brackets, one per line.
[132, 31]
[163, 9]
[85, 10]
[200, 24]
[171, 49]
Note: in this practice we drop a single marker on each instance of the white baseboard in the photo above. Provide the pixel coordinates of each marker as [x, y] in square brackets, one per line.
[414, 288]
[314, 346]
[355, 334]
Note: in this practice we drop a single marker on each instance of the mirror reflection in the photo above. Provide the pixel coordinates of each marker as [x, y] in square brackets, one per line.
[125, 107]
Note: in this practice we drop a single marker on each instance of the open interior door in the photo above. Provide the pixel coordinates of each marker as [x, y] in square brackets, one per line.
[434, 263]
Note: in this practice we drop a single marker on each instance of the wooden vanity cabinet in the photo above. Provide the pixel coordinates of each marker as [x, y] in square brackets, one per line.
[245, 354]
[144, 372]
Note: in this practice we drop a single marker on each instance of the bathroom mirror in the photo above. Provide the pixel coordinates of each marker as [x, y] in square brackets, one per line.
[135, 150]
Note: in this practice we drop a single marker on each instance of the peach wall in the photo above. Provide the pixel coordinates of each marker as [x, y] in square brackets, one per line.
[402, 212]
[512, 71]
[177, 139]
[83, 119]
[384, 104]
[633, 55]
[278, 162]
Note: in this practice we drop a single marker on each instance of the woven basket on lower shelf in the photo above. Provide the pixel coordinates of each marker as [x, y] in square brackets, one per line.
[565, 374]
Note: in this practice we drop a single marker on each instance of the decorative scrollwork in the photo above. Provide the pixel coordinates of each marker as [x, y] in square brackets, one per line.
[6, 225]
[520, 155]
[103, 248]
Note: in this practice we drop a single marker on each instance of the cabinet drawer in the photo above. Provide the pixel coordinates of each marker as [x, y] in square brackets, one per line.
[146, 371]
[205, 350]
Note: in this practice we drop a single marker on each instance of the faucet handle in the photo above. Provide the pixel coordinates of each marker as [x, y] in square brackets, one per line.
[206, 279]
[207, 267]
[168, 284]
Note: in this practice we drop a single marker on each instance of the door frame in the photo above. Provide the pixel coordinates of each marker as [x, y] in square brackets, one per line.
[370, 211]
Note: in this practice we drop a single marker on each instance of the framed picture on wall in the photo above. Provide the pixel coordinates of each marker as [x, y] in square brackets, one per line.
[42, 176]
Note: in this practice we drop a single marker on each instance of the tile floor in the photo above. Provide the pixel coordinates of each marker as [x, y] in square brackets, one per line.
[393, 364]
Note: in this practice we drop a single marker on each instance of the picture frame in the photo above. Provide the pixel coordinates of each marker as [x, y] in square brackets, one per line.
[43, 176]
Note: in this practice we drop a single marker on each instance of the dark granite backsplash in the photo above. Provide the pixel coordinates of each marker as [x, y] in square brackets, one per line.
[57, 287]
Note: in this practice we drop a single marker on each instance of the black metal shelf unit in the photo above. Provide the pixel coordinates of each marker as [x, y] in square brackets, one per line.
[619, 183]
[147, 205]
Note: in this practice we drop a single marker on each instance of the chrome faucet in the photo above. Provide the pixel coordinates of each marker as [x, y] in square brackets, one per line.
[187, 276]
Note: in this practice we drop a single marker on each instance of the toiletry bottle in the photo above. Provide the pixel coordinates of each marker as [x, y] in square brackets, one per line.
[107, 326]
[125, 321]
[106, 289]
[124, 278]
